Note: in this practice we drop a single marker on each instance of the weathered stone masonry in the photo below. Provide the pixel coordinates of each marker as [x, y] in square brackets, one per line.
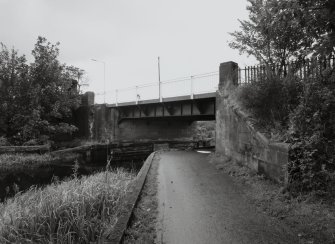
[238, 139]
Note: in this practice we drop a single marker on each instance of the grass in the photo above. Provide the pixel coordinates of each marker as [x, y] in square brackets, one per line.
[311, 217]
[19, 162]
[10, 161]
[78, 210]
[142, 228]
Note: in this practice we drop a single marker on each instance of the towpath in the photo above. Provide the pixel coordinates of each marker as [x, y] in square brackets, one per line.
[198, 204]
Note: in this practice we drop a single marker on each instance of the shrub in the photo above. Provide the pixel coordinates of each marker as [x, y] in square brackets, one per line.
[271, 100]
[74, 211]
[4, 141]
[312, 130]
[303, 112]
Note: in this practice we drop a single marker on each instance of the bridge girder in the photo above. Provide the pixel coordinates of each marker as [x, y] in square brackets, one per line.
[192, 110]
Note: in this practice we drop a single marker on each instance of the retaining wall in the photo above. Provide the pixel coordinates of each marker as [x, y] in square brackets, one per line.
[237, 138]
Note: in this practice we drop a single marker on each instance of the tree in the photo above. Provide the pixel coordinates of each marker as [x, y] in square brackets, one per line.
[272, 34]
[318, 19]
[277, 31]
[280, 30]
[37, 99]
[14, 83]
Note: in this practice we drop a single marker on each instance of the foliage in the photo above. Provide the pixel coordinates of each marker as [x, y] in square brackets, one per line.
[3, 141]
[271, 100]
[271, 34]
[312, 164]
[278, 31]
[317, 19]
[74, 211]
[36, 100]
[204, 130]
[303, 112]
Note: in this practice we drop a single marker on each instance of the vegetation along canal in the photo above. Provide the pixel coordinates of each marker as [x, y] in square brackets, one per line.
[20, 171]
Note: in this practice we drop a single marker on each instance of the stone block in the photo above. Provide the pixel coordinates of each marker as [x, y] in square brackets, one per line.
[271, 156]
[282, 158]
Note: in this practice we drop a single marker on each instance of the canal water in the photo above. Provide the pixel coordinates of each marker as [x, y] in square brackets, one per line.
[84, 160]
[12, 182]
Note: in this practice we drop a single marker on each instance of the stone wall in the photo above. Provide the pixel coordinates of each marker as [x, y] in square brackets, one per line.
[237, 138]
[83, 116]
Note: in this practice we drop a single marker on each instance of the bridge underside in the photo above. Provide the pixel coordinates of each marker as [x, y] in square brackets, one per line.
[179, 108]
[171, 119]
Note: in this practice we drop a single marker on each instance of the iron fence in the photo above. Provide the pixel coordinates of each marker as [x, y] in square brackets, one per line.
[307, 68]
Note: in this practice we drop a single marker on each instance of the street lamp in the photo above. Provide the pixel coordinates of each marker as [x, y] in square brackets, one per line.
[104, 76]
[159, 81]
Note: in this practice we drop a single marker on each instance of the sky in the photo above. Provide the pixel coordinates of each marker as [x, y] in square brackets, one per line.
[189, 36]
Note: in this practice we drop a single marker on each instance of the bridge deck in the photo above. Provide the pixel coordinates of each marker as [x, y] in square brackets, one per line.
[164, 100]
[198, 107]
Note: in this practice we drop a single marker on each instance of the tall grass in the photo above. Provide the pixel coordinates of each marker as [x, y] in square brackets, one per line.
[78, 210]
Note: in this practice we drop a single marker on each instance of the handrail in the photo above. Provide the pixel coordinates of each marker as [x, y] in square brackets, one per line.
[187, 85]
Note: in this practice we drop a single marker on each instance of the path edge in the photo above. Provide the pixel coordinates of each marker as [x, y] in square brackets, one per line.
[129, 202]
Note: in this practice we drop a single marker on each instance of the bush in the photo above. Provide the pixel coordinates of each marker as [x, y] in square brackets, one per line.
[303, 112]
[271, 100]
[4, 141]
[312, 135]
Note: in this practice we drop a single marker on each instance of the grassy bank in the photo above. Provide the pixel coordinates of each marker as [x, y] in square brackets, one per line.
[20, 171]
[313, 218]
[74, 211]
[14, 161]
[20, 161]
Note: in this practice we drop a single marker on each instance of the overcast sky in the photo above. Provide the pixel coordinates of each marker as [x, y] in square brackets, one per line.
[190, 36]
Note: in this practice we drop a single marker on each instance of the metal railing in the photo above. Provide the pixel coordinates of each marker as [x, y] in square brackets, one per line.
[307, 68]
[183, 86]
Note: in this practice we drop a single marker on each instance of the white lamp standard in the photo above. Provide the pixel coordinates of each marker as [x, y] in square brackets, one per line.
[159, 81]
[104, 76]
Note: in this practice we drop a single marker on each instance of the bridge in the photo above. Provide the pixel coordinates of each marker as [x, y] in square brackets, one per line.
[189, 98]
[154, 111]
[157, 117]
[197, 107]
[187, 87]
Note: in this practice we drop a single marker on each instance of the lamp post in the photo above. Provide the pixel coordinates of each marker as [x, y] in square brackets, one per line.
[104, 76]
[159, 81]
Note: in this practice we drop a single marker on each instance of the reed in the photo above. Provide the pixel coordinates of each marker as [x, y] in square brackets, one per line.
[77, 210]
